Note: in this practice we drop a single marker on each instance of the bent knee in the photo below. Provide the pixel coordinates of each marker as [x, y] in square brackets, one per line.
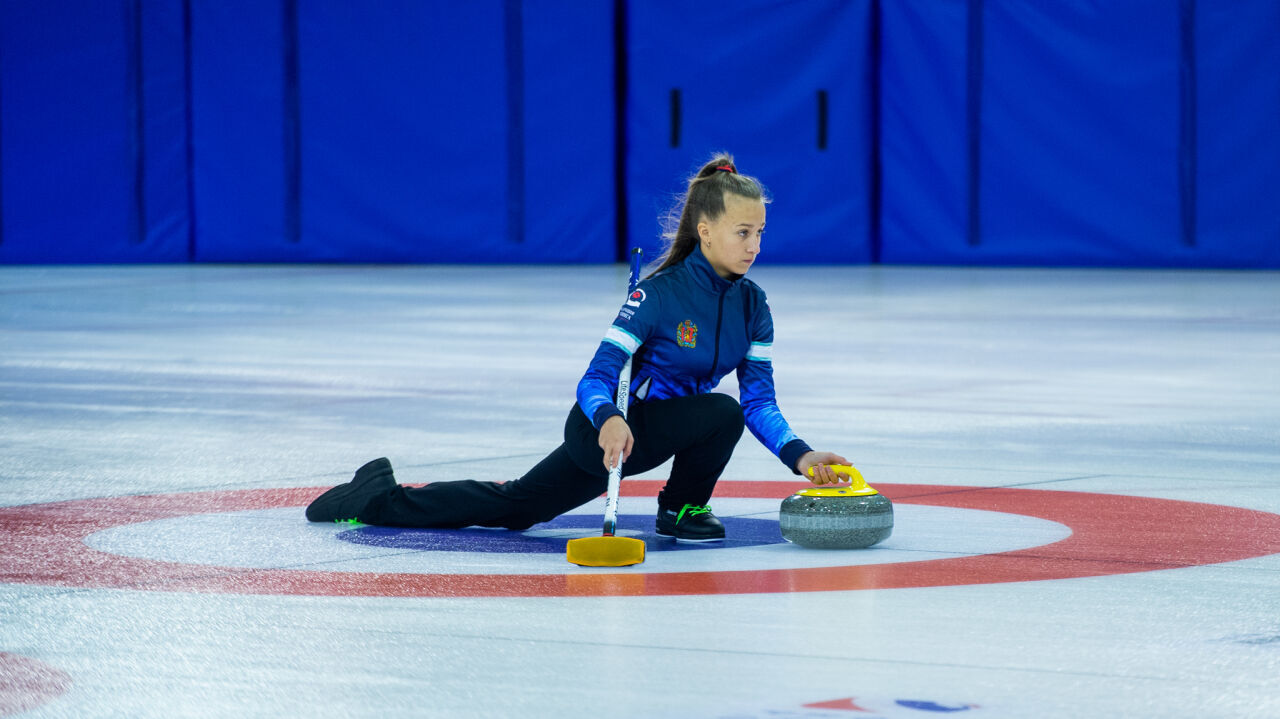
[727, 410]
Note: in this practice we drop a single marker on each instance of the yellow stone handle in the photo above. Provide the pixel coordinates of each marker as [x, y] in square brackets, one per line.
[852, 472]
[858, 486]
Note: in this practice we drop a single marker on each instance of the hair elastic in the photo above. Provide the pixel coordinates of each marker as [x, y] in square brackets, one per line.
[726, 168]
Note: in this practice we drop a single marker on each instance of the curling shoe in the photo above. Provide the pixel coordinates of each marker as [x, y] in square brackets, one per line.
[691, 523]
[345, 502]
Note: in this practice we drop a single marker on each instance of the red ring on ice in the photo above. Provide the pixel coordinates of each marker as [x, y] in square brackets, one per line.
[1111, 534]
[27, 683]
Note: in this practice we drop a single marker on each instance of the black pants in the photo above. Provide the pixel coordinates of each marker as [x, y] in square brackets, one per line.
[700, 431]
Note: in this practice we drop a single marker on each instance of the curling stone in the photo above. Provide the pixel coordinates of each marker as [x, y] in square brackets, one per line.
[849, 517]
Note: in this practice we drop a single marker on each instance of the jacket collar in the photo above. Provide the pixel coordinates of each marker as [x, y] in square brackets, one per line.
[704, 275]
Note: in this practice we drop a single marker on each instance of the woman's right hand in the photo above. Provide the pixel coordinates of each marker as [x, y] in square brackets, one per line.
[616, 441]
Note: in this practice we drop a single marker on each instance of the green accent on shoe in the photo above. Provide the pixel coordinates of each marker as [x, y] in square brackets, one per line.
[693, 510]
[353, 522]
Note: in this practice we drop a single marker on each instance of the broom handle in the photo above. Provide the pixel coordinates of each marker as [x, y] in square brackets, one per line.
[624, 390]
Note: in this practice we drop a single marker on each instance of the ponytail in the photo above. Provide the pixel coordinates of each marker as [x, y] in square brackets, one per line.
[703, 201]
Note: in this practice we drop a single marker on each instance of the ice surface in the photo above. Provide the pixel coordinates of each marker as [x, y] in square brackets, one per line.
[125, 381]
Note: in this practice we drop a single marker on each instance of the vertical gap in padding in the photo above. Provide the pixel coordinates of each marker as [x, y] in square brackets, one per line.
[875, 173]
[675, 117]
[1, 148]
[1187, 127]
[292, 125]
[514, 10]
[974, 118]
[139, 124]
[620, 89]
[188, 115]
[822, 119]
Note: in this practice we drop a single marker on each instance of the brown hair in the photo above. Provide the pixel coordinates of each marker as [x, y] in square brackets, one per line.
[703, 200]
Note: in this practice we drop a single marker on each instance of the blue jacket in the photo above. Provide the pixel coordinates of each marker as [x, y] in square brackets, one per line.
[685, 329]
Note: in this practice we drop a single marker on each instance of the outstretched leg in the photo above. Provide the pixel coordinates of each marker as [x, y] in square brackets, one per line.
[554, 486]
[699, 431]
[567, 478]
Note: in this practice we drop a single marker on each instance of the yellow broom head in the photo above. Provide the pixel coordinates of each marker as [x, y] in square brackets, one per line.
[605, 551]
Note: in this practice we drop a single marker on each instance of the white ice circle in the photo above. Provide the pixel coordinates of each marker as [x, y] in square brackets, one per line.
[283, 539]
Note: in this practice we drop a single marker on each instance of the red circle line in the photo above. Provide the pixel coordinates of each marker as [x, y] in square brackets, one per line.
[1111, 534]
[27, 683]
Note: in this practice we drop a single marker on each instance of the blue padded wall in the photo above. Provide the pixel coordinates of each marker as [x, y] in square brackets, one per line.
[1237, 214]
[373, 132]
[1132, 133]
[1079, 134]
[568, 134]
[404, 131]
[1126, 133]
[748, 77]
[92, 139]
[923, 132]
[237, 131]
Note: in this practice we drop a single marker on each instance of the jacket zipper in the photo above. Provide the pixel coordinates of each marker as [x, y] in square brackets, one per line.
[715, 357]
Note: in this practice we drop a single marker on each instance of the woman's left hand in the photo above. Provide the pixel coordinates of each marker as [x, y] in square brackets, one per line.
[822, 472]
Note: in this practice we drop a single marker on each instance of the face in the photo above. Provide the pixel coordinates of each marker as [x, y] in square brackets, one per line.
[731, 242]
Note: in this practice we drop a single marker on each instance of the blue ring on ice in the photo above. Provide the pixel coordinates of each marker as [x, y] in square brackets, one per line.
[739, 531]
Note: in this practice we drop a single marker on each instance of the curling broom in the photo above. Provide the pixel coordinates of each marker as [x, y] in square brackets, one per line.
[610, 550]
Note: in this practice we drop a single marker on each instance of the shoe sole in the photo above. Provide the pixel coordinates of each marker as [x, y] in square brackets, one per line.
[689, 540]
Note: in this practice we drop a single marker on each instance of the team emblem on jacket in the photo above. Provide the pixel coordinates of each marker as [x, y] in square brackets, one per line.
[687, 334]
